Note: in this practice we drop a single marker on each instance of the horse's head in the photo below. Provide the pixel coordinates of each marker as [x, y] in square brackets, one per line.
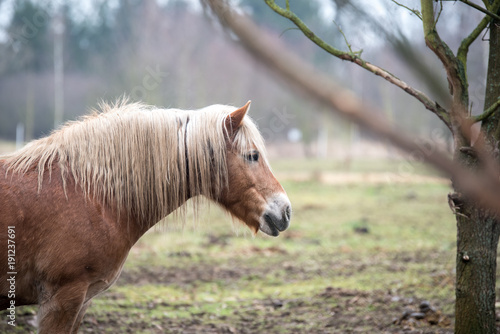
[253, 194]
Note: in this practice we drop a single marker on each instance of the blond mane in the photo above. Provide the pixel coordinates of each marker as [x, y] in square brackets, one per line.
[139, 158]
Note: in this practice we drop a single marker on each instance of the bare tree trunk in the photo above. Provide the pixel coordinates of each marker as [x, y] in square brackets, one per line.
[477, 241]
[478, 229]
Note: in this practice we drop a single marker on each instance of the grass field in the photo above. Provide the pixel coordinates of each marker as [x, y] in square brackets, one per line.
[373, 256]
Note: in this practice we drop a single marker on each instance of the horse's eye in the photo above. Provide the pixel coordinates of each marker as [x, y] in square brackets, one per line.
[252, 156]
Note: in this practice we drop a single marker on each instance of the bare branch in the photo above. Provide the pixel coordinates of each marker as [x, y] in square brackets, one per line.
[355, 58]
[488, 112]
[349, 46]
[491, 12]
[455, 72]
[440, 48]
[466, 42]
[439, 14]
[463, 50]
[414, 11]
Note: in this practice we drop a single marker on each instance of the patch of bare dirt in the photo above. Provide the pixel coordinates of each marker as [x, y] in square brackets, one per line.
[330, 310]
[180, 275]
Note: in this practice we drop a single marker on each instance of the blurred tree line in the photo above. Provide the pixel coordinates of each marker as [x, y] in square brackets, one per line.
[168, 54]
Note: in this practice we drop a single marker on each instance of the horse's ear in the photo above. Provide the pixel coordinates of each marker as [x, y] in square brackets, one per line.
[235, 119]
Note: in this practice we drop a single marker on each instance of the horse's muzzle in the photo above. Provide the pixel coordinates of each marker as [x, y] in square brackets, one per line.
[276, 217]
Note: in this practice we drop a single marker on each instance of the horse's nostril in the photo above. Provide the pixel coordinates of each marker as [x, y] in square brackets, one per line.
[288, 212]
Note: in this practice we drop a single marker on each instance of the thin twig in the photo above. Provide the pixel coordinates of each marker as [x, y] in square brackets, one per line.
[463, 50]
[488, 112]
[481, 9]
[358, 53]
[355, 58]
[439, 14]
[414, 11]
[288, 29]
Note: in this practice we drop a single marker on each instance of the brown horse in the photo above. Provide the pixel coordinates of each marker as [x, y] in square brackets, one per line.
[74, 203]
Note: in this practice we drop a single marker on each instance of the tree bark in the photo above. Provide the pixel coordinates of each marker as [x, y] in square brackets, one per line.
[477, 241]
[478, 229]
[492, 93]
